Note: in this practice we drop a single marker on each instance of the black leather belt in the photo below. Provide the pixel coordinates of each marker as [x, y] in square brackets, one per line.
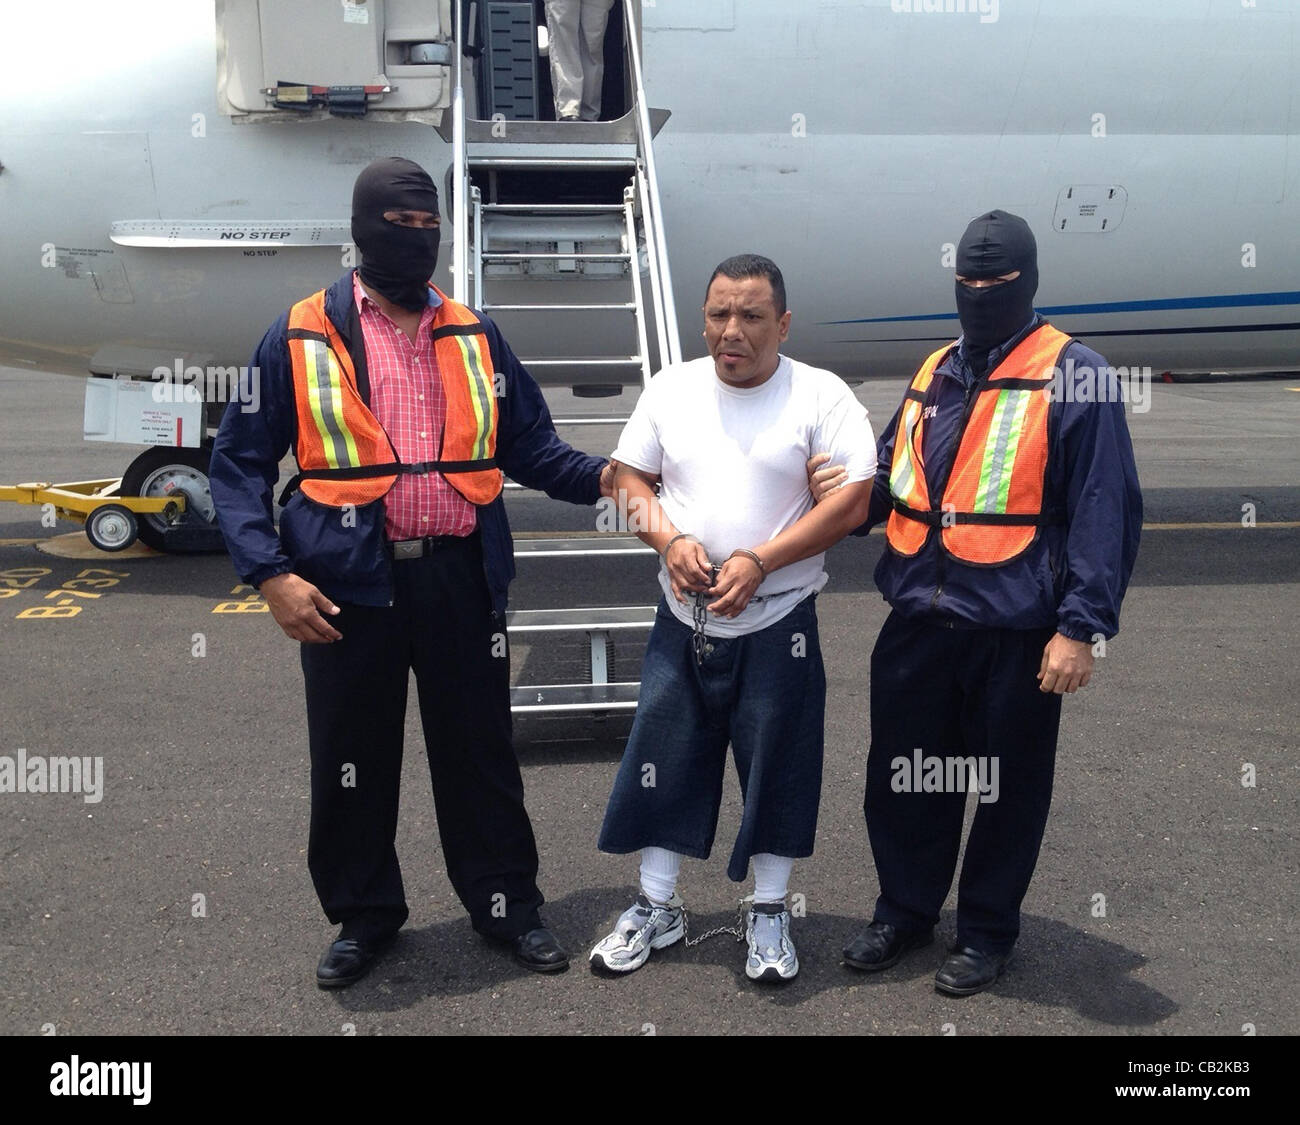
[402, 549]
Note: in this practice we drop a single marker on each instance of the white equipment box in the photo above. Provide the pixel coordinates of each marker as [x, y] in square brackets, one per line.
[143, 413]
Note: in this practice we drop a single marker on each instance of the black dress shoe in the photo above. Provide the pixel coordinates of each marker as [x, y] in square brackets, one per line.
[881, 945]
[346, 961]
[968, 971]
[538, 950]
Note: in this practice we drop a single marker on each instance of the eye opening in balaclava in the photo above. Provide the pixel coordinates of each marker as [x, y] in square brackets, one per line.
[995, 244]
[396, 261]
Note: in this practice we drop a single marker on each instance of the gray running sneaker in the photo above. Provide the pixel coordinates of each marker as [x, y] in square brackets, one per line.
[641, 928]
[771, 952]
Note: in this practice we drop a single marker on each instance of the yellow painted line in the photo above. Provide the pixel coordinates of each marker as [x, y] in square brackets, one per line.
[879, 530]
[1212, 526]
[78, 537]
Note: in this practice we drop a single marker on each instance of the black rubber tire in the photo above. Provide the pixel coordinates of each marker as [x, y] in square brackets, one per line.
[152, 526]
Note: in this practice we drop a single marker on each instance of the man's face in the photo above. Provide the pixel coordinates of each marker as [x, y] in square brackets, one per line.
[742, 329]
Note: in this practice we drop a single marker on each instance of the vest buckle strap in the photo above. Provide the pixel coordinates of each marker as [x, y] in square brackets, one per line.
[992, 519]
[930, 519]
[417, 467]
[364, 472]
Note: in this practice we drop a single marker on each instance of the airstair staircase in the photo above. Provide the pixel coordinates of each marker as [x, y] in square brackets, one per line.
[559, 237]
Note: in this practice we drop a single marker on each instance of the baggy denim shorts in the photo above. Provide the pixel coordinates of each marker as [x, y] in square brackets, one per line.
[764, 694]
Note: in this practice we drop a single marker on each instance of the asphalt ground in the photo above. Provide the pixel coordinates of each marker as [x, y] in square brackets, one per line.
[205, 789]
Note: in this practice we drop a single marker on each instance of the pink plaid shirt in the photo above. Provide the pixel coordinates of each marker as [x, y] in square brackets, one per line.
[407, 398]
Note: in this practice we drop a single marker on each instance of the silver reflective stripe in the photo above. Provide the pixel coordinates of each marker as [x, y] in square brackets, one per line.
[1012, 410]
[900, 480]
[321, 374]
[480, 387]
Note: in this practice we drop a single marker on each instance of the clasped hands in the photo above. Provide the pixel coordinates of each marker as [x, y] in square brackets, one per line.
[690, 571]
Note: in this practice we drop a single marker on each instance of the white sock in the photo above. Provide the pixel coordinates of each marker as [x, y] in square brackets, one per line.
[771, 877]
[659, 869]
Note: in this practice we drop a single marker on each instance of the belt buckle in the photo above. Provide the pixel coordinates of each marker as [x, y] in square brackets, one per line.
[408, 549]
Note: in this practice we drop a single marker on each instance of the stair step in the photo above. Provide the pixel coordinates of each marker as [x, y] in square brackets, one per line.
[593, 420]
[553, 208]
[588, 620]
[581, 545]
[629, 306]
[547, 163]
[591, 361]
[542, 698]
[494, 256]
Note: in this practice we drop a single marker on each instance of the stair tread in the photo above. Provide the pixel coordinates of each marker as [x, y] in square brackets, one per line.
[581, 619]
[574, 697]
[582, 545]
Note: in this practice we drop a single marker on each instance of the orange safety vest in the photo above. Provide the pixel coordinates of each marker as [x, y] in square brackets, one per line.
[993, 498]
[344, 454]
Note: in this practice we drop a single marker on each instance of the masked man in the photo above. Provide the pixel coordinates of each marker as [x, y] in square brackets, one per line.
[403, 408]
[1014, 511]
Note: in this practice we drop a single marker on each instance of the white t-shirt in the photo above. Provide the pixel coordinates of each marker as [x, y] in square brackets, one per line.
[732, 467]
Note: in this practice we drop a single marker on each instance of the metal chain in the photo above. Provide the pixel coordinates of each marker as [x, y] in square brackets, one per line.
[738, 931]
[700, 616]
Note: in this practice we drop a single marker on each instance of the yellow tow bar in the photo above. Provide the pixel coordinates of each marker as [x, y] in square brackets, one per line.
[110, 519]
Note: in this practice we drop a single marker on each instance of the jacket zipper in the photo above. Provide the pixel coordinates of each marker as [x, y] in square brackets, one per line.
[968, 408]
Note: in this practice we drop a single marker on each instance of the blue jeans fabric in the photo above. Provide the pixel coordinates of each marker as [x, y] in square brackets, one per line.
[763, 693]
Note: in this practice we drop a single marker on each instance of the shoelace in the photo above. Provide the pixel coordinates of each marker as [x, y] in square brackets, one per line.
[636, 938]
[782, 946]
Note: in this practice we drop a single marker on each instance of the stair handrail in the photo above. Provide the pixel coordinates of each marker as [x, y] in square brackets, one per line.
[461, 202]
[645, 136]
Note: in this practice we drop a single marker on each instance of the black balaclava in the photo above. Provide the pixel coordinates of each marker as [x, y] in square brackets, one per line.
[995, 244]
[396, 262]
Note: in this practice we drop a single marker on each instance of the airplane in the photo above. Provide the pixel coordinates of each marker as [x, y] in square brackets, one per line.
[184, 173]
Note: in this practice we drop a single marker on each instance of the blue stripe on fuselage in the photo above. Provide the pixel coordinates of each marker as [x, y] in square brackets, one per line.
[1227, 301]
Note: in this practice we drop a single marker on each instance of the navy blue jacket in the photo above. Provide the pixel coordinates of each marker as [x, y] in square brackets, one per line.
[1074, 575]
[350, 564]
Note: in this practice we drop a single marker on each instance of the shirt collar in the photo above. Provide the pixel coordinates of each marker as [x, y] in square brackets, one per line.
[361, 298]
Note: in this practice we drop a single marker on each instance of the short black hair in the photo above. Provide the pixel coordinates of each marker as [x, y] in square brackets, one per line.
[740, 266]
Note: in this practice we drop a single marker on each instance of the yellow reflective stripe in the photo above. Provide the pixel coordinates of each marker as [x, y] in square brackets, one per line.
[1010, 448]
[904, 469]
[1000, 446]
[315, 393]
[996, 432]
[325, 396]
[903, 477]
[480, 392]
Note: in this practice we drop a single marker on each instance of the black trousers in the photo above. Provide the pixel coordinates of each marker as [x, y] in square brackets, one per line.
[958, 693]
[441, 625]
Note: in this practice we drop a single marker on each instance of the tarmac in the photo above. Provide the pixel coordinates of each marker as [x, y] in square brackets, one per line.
[178, 902]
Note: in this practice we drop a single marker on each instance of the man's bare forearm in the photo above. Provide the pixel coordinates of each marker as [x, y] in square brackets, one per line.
[821, 527]
[639, 508]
